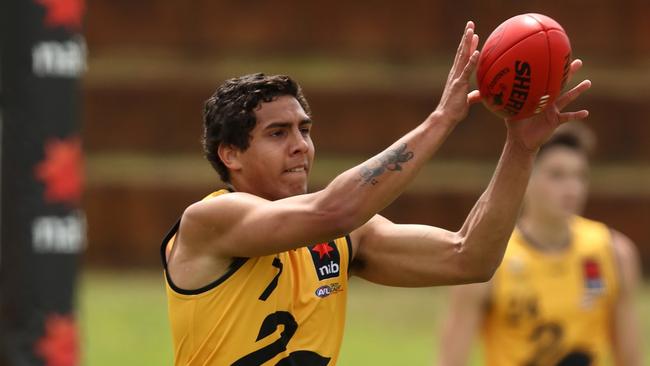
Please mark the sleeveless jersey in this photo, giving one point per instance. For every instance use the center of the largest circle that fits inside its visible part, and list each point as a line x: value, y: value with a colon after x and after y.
x: 283, y: 309
x: 553, y: 309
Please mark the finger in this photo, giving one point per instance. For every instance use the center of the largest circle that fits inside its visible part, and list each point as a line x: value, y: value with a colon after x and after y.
x: 462, y: 41
x: 473, y: 97
x: 572, y: 94
x: 468, y: 27
x: 470, y: 66
x: 463, y: 51
x: 575, y: 66
x: 573, y: 116
x: 474, y: 46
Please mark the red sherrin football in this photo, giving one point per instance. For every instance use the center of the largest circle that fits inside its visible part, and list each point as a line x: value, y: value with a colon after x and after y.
x: 523, y: 66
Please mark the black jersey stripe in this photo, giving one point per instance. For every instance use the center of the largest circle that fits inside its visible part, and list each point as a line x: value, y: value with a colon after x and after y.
x: 234, y: 266
x: 348, y: 240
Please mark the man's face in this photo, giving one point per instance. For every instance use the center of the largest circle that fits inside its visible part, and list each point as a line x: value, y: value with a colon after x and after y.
x: 559, y: 183
x: 277, y: 162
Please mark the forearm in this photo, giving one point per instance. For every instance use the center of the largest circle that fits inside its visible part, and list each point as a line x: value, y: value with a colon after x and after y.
x: 627, y: 345
x: 465, y: 314
x: 626, y: 333
x: 490, y: 223
x: 350, y: 200
x: 366, y: 189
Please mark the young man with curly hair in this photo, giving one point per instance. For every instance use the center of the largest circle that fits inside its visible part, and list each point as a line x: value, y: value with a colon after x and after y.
x: 257, y: 274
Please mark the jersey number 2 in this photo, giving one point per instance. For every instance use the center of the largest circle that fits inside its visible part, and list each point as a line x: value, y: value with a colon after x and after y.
x: 264, y: 354
x: 269, y: 326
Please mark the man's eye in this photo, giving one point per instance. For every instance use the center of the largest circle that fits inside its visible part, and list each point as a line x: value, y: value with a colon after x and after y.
x: 277, y: 133
x: 305, y: 131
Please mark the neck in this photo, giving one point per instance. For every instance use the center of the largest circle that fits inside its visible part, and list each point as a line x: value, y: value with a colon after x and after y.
x: 545, y: 233
x: 238, y: 185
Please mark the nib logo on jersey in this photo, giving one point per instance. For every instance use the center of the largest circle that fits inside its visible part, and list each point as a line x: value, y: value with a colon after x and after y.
x: 327, y: 260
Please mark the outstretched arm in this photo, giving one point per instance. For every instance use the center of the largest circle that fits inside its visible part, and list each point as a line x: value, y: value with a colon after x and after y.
x: 419, y: 255
x: 243, y: 225
x: 627, y: 345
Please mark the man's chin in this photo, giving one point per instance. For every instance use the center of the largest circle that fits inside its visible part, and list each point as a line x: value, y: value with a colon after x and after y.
x: 292, y: 190
x: 296, y: 191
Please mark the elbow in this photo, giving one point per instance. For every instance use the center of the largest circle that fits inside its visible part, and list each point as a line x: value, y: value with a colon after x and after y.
x: 474, y: 266
x: 336, y: 218
x: 479, y: 274
x: 483, y: 275
x: 341, y: 222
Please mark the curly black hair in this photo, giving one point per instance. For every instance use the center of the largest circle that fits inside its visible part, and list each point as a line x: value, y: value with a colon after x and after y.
x: 229, y: 114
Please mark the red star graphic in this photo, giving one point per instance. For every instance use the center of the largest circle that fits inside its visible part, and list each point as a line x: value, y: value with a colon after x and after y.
x: 322, y: 249
x: 61, y: 171
x: 592, y: 271
x: 58, y: 345
x: 63, y: 13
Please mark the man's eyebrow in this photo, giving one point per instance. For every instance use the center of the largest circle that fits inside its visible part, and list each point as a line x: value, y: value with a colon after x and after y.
x: 286, y: 124
x: 277, y: 125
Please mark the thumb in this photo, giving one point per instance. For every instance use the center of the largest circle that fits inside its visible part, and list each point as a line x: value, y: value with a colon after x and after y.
x: 473, y: 97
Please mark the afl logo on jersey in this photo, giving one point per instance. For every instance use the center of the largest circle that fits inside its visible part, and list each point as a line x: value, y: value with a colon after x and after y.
x: 327, y: 260
x: 325, y: 291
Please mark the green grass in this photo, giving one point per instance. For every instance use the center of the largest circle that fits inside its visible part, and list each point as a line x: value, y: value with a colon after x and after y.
x: 392, y: 326
x: 124, y: 319
x: 124, y: 322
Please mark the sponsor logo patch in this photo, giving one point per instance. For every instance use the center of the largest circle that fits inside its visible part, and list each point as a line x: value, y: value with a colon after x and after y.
x: 325, y: 291
x: 594, y: 285
x: 593, y: 279
x: 327, y: 260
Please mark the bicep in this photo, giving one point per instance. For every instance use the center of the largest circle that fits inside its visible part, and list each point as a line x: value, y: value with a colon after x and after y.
x: 407, y: 255
x: 243, y: 225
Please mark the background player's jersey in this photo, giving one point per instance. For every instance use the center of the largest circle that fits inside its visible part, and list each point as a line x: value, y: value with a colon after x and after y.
x: 283, y: 309
x: 553, y: 309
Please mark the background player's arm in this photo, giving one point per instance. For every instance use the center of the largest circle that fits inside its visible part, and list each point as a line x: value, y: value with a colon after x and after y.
x: 627, y: 345
x: 243, y: 225
x: 466, y: 309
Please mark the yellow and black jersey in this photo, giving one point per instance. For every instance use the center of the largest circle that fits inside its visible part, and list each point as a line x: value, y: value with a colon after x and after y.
x: 282, y: 309
x: 553, y: 309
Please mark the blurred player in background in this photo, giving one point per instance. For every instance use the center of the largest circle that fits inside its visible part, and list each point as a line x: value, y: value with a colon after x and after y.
x: 564, y: 293
x: 258, y: 274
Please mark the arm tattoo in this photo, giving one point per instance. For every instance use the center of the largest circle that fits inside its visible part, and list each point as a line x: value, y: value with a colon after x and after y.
x: 390, y: 160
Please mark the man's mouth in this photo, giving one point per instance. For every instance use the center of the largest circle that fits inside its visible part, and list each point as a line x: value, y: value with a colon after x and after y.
x: 297, y: 169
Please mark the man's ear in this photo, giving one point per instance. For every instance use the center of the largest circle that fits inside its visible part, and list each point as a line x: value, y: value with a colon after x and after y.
x: 229, y: 155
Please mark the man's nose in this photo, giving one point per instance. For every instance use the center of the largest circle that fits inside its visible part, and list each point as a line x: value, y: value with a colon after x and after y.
x: 299, y: 143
